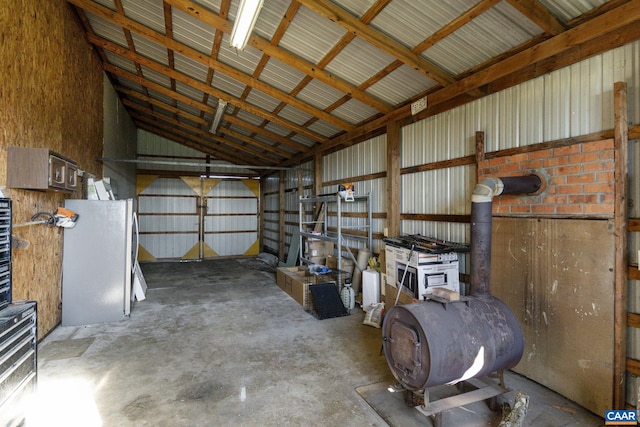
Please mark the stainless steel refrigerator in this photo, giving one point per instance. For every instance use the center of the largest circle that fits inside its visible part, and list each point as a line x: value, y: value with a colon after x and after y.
x: 99, y: 254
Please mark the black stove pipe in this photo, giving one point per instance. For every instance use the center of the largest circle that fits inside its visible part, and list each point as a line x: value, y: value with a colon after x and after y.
x: 481, y: 214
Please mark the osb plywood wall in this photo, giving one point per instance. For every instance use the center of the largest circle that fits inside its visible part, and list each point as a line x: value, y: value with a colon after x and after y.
x: 50, y: 96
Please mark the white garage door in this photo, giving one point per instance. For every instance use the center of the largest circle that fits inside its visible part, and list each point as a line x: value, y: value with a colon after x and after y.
x: 196, y: 218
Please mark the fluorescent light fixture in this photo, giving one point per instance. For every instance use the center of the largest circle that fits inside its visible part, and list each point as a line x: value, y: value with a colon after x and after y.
x: 245, y: 20
x: 218, y: 116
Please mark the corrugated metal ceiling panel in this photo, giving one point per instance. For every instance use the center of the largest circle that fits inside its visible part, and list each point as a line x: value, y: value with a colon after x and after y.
x: 354, y: 111
x: 107, y: 30
x: 301, y: 139
x: 159, y: 96
x: 190, y: 67
x: 355, y: 7
x: 281, y: 76
x: 565, y: 10
x: 189, y: 91
x: 323, y: 128
x: 294, y: 115
x: 268, y: 19
x: 151, y: 50
x: 192, y: 32
x: 150, y: 13
x: 250, y: 118
x: 246, y: 60
x: 411, y: 22
x: 358, y: 61
x: 107, y: 3
x: 227, y: 85
x: 213, y: 5
x: 497, y: 30
x: 262, y: 100
x: 156, y: 77
x: 120, y: 62
x: 309, y: 37
x: 193, y: 110
x: 277, y: 129
x: 400, y: 85
x: 319, y: 94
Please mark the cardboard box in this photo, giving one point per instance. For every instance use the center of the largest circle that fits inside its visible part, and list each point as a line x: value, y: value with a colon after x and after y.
x: 347, y: 264
x: 319, y: 249
x: 390, y: 293
x: 295, y: 282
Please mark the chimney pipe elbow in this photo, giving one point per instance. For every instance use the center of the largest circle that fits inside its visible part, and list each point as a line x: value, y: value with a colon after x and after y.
x: 486, y: 189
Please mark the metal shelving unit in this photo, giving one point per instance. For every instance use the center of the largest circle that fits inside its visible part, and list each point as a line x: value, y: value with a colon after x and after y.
x: 338, y: 237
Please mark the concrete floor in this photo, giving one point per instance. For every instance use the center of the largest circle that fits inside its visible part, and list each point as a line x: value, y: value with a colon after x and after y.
x: 217, y: 343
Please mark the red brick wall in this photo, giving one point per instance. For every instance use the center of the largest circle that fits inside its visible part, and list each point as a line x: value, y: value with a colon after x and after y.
x: 580, y: 180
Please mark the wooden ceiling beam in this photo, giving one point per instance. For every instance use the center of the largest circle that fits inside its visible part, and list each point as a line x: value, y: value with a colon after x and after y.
x: 262, y: 131
x: 199, y: 120
x: 290, y: 59
x: 203, y: 133
x: 236, y: 152
x: 248, y: 140
x: 354, y: 25
x: 244, y: 105
x: 462, y: 20
x: 130, y: 93
x: 224, y: 69
x: 539, y: 15
x: 168, y: 132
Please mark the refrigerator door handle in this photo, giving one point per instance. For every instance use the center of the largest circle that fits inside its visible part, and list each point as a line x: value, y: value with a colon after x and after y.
x: 136, y: 241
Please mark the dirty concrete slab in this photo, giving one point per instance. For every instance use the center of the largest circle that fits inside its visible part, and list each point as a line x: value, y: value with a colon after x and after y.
x: 217, y: 343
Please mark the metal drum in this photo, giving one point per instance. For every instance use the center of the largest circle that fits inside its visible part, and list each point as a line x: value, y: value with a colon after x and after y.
x: 432, y: 343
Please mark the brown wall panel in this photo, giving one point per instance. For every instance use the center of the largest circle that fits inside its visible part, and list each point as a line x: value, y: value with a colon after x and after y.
x: 557, y: 276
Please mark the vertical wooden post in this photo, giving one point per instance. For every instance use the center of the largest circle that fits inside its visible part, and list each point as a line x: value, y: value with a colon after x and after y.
x: 621, y: 146
x: 261, y: 209
x: 282, y: 209
x: 479, y: 152
x: 393, y: 179
x: 317, y: 174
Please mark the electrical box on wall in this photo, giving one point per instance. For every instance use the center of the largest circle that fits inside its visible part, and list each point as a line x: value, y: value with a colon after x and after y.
x: 40, y: 169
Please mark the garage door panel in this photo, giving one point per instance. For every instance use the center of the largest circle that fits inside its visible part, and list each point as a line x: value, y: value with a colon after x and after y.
x: 228, y: 244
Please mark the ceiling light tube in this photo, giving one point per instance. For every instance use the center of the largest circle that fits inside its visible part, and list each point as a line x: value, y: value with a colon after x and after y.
x: 217, y: 118
x: 245, y: 20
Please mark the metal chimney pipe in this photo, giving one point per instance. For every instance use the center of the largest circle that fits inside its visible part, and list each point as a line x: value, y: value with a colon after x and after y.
x: 481, y: 216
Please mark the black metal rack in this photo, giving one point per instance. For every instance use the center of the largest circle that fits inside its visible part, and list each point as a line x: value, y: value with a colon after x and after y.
x: 5, y: 252
x: 431, y: 245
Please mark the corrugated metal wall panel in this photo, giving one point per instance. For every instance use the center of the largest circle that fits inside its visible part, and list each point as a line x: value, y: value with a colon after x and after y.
x: 368, y: 157
x: 442, y: 191
x: 573, y: 101
x: 362, y: 159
